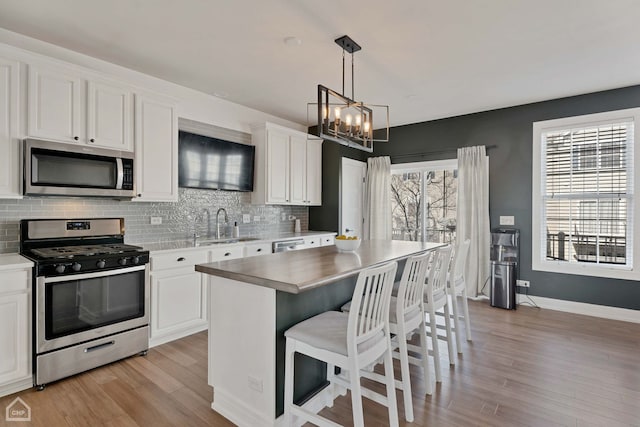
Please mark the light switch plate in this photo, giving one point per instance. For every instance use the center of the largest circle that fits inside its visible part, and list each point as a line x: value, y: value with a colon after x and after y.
x: 507, y: 220
x: 156, y: 220
x: 246, y: 218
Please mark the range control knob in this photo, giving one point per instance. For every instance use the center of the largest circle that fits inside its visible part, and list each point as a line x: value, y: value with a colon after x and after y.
x: 122, y: 261
x: 135, y: 260
x: 60, y: 268
x: 76, y: 266
x: 101, y: 263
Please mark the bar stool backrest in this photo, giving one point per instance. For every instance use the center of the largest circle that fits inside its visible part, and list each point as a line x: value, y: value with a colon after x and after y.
x: 411, y: 286
x: 438, y: 272
x: 369, y: 314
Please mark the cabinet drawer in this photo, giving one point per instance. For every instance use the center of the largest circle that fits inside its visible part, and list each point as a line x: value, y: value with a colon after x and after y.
x: 327, y: 240
x: 223, y: 254
x: 177, y: 259
x: 312, y: 242
x: 257, y: 249
x: 13, y: 281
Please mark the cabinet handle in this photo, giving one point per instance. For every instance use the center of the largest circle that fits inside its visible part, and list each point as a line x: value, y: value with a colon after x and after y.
x: 227, y: 254
x: 181, y: 259
x: 92, y: 140
x: 76, y: 138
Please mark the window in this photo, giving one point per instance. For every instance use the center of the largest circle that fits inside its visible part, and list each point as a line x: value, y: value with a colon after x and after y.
x: 583, y: 194
x: 423, y: 201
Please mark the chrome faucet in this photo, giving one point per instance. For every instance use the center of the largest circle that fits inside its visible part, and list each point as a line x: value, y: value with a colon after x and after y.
x: 226, y: 221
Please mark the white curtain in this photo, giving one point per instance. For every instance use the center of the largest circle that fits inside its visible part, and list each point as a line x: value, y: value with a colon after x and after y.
x: 473, y: 215
x: 377, y: 199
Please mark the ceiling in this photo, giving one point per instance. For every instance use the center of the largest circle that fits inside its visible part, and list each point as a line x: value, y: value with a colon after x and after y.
x: 426, y: 59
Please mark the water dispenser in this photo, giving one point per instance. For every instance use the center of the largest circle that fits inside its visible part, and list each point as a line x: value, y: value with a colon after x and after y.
x: 505, y: 261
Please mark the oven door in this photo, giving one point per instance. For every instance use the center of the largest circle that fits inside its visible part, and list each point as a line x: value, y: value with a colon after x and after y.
x: 82, y: 307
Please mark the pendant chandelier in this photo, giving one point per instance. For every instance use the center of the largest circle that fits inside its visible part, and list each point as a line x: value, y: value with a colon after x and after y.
x: 345, y: 121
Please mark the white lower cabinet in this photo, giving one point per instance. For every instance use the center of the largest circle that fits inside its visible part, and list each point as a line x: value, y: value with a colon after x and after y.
x: 15, y: 330
x: 179, y: 303
x: 178, y: 295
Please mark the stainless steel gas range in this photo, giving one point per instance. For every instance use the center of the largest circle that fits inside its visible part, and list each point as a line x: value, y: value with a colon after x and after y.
x: 91, y: 295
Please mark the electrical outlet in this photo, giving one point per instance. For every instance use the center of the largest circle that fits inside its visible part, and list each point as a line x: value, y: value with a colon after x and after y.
x: 255, y: 383
x: 523, y: 283
x: 246, y: 218
x: 256, y: 218
x: 156, y: 220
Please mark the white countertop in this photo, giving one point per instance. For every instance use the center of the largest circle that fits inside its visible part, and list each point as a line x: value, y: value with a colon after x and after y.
x: 171, y: 245
x: 14, y: 261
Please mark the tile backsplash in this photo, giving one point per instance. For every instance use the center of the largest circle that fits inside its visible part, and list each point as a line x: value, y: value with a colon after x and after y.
x: 179, y: 220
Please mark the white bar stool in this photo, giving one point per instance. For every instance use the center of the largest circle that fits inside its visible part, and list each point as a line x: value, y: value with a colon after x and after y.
x: 405, y: 318
x: 436, y: 298
x: 458, y: 286
x: 351, y: 341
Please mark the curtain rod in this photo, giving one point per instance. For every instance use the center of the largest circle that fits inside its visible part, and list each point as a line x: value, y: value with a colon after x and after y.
x: 428, y: 153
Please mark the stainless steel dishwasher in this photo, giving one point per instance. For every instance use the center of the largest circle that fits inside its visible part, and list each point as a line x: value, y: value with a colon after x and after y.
x: 288, y: 245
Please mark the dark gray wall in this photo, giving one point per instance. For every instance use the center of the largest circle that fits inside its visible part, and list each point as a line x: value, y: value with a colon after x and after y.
x: 510, y: 130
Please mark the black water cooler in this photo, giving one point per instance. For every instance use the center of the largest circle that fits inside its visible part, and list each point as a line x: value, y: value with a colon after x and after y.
x: 505, y: 258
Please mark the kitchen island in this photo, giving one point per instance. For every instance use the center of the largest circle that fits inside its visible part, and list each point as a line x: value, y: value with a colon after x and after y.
x: 253, y: 301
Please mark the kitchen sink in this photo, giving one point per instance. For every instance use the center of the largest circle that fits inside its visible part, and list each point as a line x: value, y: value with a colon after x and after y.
x: 210, y: 242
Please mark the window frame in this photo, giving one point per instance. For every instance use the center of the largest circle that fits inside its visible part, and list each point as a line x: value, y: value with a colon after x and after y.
x: 539, y: 261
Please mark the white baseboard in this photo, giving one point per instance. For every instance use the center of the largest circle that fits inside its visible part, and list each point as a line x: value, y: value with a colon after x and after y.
x: 15, y: 387
x: 613, y: 313
x: 237, y: 411
x: 181, y: 333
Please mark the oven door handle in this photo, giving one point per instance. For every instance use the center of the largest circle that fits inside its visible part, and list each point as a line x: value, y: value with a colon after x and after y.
x: 93, y: 275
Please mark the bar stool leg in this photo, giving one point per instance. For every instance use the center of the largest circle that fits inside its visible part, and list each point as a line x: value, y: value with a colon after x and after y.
x: 391, y: 388
x: 356, y: 396
x: 406, y: 377
x: 331, y: 372
x: 467, y: 319
x: 434, y: 342
x: 288, y: 382
x: 456, y: 319
x: 447, y: 322
x: 425, y: 358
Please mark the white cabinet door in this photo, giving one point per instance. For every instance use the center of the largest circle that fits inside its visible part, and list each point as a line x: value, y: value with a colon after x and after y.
x: 14, y: 337
x: 54, y: 107
x: 298, y: 167
x: 109, y: 116
x: 177, y: 303
x: 277, y: 167
x: 10, y: 169
x: 156, y: 142
x: 314, y: 172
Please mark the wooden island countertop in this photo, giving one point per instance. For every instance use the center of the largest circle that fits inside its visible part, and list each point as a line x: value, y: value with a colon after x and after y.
x: 299, y: 271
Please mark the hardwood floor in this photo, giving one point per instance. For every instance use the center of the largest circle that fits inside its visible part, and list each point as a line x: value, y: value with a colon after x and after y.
x: 528, y: 367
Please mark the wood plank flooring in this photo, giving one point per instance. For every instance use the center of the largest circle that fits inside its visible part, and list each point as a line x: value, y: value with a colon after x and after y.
x: 529, y: 367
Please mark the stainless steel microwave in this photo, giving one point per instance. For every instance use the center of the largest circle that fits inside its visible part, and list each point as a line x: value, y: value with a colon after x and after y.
x: 56, y: 169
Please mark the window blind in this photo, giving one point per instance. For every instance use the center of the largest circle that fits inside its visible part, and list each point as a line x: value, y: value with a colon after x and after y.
x: 587, y: 193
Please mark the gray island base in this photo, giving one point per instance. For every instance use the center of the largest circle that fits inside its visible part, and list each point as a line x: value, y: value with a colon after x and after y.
x: 253, y: 301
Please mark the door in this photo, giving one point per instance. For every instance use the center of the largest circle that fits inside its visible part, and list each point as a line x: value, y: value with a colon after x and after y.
x: 109, y: 116
x: 352, y: 178
x: 314, y: 172
x: 156, y: 144
x: 10, y: 168
x: 14, y: 337
x: 298, y: 173
x: 54, y: 105
x: 277, y: 167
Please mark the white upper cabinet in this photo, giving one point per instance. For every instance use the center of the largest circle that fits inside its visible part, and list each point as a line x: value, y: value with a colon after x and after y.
x: 278, y: 167
x: 109, y: 116
x: 9, y: 138
x: 65, y: 107
x: 288, y: 167
x: 156, y: 141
